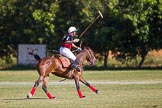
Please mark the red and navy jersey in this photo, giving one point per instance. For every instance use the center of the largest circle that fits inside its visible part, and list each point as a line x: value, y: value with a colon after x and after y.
x: 67, y: 38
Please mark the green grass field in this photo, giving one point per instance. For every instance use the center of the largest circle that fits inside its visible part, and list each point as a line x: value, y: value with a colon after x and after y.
x: 118, y: 89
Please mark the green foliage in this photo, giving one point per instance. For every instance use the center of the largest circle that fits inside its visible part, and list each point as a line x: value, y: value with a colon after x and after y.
x: 139, y: 39
x: 27, y: 21
x: 46, y: 17
x: 130, y: 27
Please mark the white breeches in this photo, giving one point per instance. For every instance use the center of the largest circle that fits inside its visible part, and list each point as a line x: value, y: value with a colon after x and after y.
x: 67, y: 53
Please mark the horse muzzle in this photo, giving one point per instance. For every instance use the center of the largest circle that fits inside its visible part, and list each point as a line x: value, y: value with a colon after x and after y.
x: 93, y: 62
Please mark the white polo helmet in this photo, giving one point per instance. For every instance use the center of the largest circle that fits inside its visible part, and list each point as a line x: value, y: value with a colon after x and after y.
x: 72, y: 29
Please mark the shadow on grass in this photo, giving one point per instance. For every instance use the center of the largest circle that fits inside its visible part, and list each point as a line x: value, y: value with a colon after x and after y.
x: 89, y: 68
x: 23, y: 98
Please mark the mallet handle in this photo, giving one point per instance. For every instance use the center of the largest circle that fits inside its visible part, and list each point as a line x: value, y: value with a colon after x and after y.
x: 88, y: 26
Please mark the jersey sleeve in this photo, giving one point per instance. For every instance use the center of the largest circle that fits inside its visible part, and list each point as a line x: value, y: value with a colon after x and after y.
x: 67, y: 38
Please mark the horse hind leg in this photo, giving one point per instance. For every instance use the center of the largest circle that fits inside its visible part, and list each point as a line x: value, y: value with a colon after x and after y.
x: 44, y: 87
x: 89, y: 85
x: 78, y: 87
x: 31, y: 93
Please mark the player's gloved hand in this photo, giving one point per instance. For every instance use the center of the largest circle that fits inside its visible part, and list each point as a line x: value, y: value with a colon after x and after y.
x: 76, y: 40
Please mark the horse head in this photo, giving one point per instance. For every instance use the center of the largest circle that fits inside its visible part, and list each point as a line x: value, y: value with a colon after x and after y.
x: 90, y: 57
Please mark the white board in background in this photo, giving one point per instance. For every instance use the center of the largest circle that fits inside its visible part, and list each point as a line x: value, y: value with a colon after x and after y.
x: 23, y: 53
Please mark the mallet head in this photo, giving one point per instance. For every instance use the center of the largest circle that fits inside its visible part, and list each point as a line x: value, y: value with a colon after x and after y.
x: 100, y: 14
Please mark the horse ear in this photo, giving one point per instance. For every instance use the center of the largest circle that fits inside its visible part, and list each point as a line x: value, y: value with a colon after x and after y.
x: 80, y: 44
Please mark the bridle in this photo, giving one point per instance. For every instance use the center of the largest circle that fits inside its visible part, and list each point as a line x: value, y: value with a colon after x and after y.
x: 91, y: 58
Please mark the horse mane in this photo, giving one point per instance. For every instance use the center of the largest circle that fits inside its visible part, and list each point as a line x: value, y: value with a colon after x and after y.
x: 81, y: 53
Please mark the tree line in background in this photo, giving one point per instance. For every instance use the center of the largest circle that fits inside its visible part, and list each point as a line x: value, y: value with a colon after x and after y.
x: 130, y: 27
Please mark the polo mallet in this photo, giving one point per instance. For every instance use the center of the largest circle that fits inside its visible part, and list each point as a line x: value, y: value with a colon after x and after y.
x: 100, y: 15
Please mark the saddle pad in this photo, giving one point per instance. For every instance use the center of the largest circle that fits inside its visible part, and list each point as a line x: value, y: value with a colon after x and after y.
x: 65, y: 61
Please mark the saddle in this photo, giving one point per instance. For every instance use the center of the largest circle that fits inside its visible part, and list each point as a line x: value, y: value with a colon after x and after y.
x: 64, y: 60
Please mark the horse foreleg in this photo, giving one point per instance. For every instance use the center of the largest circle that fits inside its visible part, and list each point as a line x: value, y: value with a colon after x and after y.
x: 78, y: 87
x: 44, y: 87
x: 31, y: 93
x: 89, y: 85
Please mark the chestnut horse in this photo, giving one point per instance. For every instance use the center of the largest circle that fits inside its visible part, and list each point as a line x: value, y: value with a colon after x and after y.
x: 53, y: 65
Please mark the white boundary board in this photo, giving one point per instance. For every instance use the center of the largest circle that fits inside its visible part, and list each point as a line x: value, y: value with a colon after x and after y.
x: 23, y: 53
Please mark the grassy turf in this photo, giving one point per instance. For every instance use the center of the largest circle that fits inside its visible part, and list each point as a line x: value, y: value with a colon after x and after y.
x: 124, y: 75
x: 110, y: 96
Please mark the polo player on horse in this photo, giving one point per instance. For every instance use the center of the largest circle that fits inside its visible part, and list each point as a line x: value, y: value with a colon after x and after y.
x: 66, y: 46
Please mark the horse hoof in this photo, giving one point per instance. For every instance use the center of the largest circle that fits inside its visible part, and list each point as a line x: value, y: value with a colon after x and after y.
x: 51, y: 97
x: 29, y: 95
x: 83, y: 97
x: 97, y: 91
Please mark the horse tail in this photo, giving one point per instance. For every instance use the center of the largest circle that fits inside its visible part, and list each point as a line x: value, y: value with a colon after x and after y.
x: 36, y: 56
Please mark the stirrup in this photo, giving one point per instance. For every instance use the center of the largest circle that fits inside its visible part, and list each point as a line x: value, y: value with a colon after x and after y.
x: 77, y: 68
x: 72, y: 66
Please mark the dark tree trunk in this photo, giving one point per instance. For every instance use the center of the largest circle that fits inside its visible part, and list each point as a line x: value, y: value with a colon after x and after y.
x: 143, y: 55
x: 141, y: 62
x: 105, y: 58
